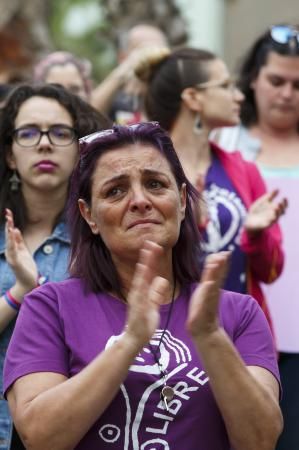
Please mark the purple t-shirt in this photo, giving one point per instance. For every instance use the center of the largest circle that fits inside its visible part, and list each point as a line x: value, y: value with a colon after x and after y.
x: 227, y: 213
x: 61, y: 329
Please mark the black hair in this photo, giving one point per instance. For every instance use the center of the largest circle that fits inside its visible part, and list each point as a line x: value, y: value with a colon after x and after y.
x: 254, y: 60
x: 85, y: 121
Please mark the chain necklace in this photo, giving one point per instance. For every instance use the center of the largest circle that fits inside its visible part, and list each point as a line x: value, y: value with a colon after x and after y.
x: 167, y: 392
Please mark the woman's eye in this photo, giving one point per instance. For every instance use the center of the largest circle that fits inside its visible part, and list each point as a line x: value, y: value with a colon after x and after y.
x: 226, y: 85
x: 155, y: 184
x: 60, y: 133
x: 114, y: 192
x: 27, y: 133
x: 276, y: 81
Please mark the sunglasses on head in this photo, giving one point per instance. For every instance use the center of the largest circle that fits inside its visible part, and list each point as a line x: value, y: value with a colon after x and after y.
x: 284, y: 34
x: 101, y: 134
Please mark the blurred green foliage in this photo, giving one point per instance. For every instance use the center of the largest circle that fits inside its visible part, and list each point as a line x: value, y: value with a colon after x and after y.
x: 79, y: 26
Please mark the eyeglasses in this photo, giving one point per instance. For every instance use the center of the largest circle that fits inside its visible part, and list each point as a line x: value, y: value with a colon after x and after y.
x: 284, y: 34
x: 101, y: 134
x: 59, y: 135
x: 228, y: 84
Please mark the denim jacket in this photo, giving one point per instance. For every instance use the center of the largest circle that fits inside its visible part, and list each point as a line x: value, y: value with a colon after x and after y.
x: 52, y: 262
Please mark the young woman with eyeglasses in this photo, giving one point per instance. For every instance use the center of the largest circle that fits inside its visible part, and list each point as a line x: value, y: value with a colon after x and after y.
x: 39, y: 131
x: 190, y: 92
x: 269, y: 135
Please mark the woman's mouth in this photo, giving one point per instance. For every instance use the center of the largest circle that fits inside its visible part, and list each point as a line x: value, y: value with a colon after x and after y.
x: 46, y: 166
x: 142, y: 223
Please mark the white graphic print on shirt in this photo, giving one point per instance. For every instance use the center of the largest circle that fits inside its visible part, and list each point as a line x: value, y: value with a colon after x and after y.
x: 171, y: 349
x: 223, y: 205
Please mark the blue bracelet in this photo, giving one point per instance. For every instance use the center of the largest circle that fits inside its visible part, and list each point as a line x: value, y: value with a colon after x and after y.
x: 10, y: 303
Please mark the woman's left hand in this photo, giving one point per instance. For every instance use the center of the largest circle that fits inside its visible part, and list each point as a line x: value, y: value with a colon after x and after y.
x: 19, y: 257
x: 203, y: 310
x: 264, y: 212
x: 242, y: 393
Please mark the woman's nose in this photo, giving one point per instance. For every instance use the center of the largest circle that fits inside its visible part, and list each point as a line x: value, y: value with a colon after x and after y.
x: 287, y: 90
x: 239, y: 96
x: 139, y: 200
x: 44, y: 143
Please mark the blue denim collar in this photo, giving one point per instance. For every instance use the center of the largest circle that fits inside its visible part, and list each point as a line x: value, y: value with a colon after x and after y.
x: 60, y: 233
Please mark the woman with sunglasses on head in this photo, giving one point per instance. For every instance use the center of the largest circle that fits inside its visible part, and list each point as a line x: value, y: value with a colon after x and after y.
x: 269, y: 135
x: 153, y: 365
x: 190, y: 92
x: 39, y: 131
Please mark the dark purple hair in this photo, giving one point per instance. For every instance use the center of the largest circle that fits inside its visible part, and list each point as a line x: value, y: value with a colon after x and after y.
x: 90, y: 258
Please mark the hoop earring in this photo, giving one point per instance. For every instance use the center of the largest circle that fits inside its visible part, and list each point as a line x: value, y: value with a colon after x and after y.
x: 14, y: 182
x: 197, y: 124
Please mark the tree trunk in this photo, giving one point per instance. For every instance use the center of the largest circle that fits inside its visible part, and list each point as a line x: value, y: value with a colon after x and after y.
x: 23, y: 37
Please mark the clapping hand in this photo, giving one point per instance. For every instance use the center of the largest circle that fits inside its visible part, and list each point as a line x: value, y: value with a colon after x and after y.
x: 147, y: 293
x: 264, y: 212
x: 19, y: 257
x: 203, y: 310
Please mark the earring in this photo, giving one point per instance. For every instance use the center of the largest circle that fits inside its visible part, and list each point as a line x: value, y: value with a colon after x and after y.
x: 197, y: 124
x: 14, y: 181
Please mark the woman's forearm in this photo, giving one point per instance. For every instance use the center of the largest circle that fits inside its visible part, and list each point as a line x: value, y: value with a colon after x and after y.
x: 265, y: 255
x: 59, y: 417
x: 8, y: 310
x: 102, y: 96
x: 7, y: 314
x: 250, y: 411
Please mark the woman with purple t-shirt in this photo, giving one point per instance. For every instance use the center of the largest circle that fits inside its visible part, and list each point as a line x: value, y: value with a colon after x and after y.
x: 190, y: 92
x: 132, y: 352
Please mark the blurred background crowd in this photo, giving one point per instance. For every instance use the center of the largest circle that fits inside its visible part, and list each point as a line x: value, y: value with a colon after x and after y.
x: 113, y: 54
x: 93, y: 29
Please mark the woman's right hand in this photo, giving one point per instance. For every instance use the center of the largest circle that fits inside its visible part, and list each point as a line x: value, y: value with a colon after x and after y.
x: 19, y: 257
x: 147, y: 293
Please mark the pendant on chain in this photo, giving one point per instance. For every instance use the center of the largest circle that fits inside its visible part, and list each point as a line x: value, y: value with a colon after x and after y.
x: 167, y: 395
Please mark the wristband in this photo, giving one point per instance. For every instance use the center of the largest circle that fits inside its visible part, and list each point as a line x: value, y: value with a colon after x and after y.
x: 11, y: 301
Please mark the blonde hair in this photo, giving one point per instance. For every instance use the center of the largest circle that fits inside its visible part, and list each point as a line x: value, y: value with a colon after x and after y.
x: 151, y: 57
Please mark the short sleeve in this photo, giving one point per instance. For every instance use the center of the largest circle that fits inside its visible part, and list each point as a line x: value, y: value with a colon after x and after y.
x: 247, y: 326
x: 37, y: 343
